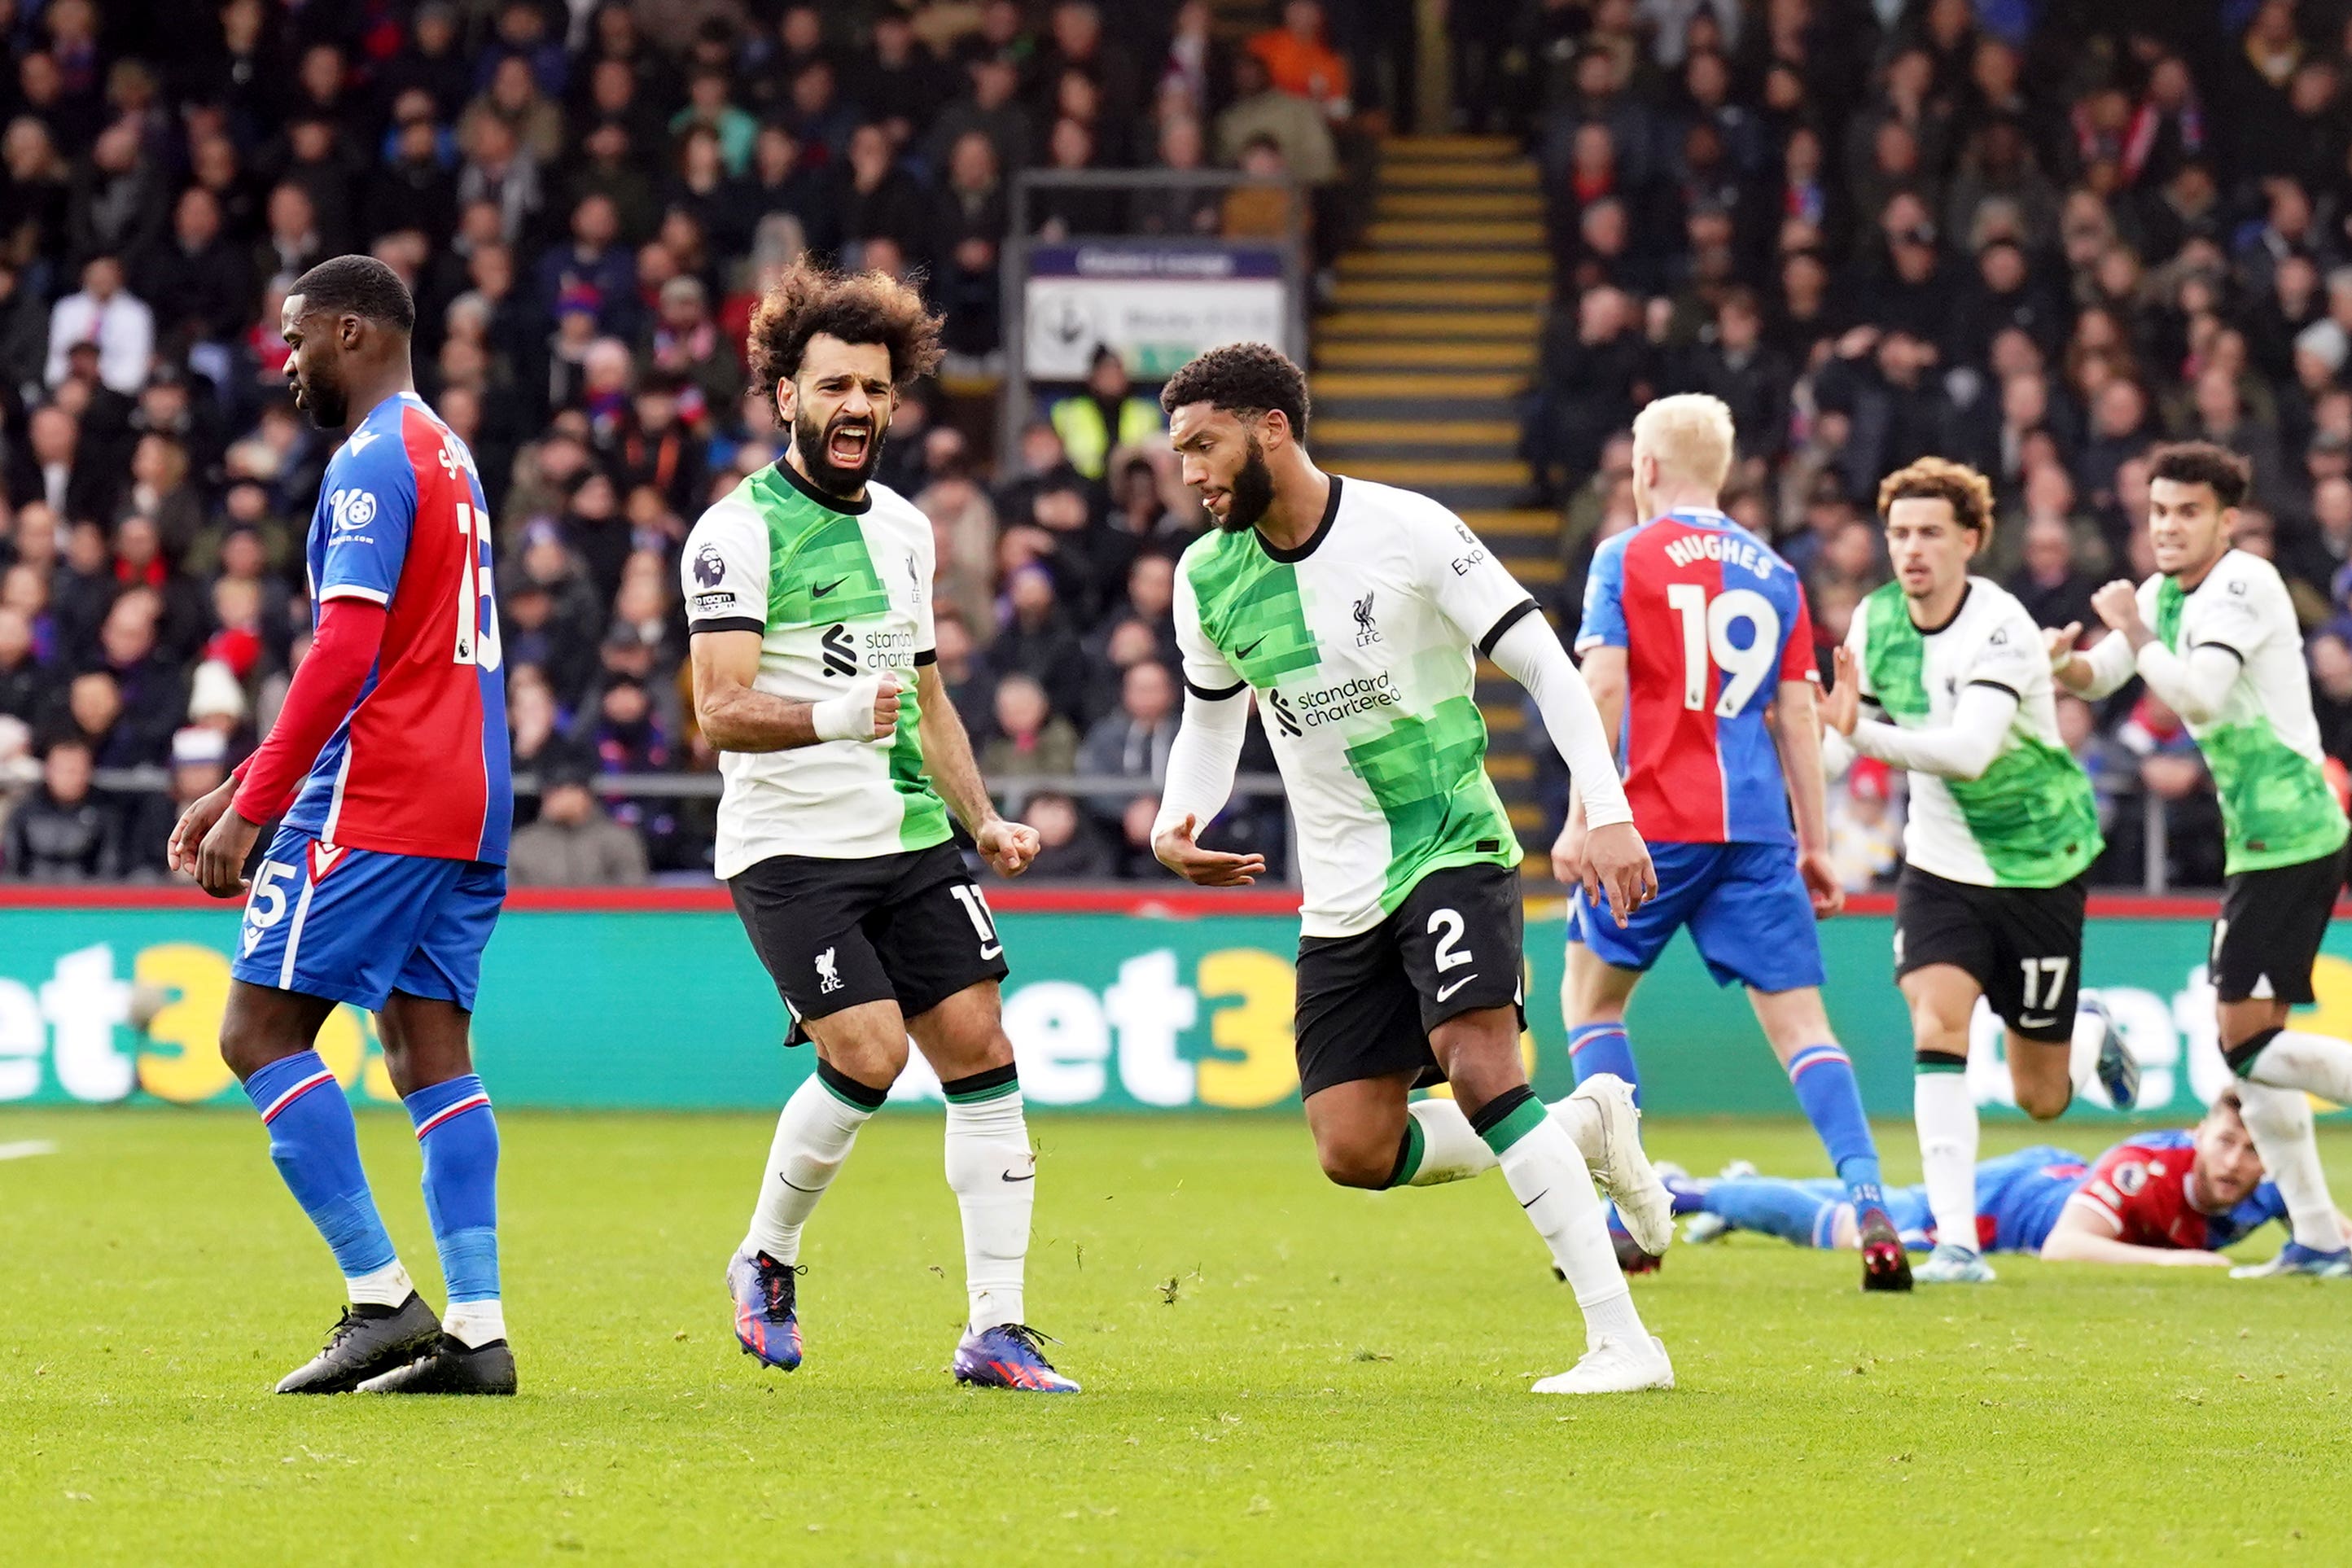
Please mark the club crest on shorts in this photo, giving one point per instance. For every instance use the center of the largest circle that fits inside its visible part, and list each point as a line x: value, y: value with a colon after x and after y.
x: 828, y: 971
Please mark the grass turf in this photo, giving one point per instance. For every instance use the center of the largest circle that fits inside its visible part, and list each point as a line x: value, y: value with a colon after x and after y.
x: 1275, y: 1369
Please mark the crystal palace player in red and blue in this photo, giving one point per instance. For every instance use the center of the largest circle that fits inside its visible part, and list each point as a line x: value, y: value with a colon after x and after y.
x: 2172, y: 1197
x: 1695, y: 634
x: 388, y: 771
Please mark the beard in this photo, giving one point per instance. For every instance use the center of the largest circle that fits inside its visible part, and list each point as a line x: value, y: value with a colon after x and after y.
x: 823, y: 472
x: 1252, y: 493
x: 324, y: 399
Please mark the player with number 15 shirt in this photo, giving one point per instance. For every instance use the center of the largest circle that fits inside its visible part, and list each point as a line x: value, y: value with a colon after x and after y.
x: 388, y: 768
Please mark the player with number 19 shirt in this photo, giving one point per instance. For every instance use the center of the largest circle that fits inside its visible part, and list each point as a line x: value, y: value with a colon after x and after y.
x: 1697, y: 634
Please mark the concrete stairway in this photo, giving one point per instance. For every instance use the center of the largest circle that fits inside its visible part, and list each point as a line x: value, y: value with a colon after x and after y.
x: 1415, y: 372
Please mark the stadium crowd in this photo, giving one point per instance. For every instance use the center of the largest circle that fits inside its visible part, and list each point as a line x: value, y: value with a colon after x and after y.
x: 585, y: 202
x: 2036, y: 234
x: 2037, y: 238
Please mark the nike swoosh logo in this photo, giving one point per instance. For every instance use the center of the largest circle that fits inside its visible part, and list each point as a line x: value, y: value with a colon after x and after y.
x: 1537, y: 1199
x: 829, y: 588
x: 796, y: 1186
x: 1245, y: 652
x: 1009, y: 1176
x: 2025, y: 1023
x: 1445, y: 991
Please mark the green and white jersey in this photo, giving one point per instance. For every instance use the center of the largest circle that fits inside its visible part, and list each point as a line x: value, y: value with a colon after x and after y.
x: 1362, y: 644
x: 2263, y: 746
x: 835, y: 590
x: 2029, y: 820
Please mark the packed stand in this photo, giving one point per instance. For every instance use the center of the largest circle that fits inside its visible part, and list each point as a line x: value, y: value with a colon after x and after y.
x: 2036, y: 238
x: 585, y: 202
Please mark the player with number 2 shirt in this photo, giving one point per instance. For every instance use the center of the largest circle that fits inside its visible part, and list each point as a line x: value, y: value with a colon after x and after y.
x: 388, y: 770
x: 1355, y: 614
x: 1695, y: 634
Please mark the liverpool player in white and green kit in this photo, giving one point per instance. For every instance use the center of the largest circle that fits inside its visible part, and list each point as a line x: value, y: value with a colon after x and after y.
x: 1356, y: 612
x: 2215, y: 637
x: 808, y: 593
x: 2001, y: 827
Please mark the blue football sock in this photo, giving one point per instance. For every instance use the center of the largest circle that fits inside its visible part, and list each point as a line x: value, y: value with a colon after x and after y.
x: 315, y: 1145
x: 459, y: 1136
x: 1602, y: 1047
x: 1822, y: 1077
x: 1688, y: 1196
x: 1790, y: 1210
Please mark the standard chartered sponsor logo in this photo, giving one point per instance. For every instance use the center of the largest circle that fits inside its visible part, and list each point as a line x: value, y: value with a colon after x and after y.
x: 1329, y: 704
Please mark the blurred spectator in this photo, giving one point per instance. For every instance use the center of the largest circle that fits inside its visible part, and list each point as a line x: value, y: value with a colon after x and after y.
x: 1030, y: 738
x: 1105, y: 415
x: 571, y: 842
x: 2046, y: 580
x: 1583, y: 391
x: 1132, y: 741
x: 1299, y: 61
x: 24, y: 682
x: 105, y: 313
x: 199, y: 765
x: 1071, y: 849
x: 1289, y: 121
x: 61, y: 831
x: 1866, y: 831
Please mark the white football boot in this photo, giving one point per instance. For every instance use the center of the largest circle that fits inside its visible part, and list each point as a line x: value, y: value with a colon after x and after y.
x: 1614, y: 1366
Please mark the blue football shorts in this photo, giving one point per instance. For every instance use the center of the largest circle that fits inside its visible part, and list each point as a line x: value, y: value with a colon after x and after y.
x: 355, y: 925
x: 1745, y: 905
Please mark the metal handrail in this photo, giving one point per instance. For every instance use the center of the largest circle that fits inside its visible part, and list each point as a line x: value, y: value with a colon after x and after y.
x: 2155, y: 825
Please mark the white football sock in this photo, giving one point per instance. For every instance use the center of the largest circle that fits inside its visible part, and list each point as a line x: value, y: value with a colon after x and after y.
x: 1547, y: 1175
x: 1449, y: 1151
x: 2293, y: 1060
x: 2279, y: 1120
x: 1947, y: 1117
x: 1580, y: 1120
x: 2082, y: 1050
x: 475, y: 1323
x: 995, y: 1175
x: 813, y: 1136
x: 386, y: 1287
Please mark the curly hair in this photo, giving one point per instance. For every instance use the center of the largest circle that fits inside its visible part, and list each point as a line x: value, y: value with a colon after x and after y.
x: 2203, y: 463
x: 856, y: 306
x: 1243, y: 378
x: 1967, y: 492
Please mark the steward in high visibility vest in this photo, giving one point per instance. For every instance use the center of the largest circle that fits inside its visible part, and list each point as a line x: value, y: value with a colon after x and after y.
x: 1104, y: 415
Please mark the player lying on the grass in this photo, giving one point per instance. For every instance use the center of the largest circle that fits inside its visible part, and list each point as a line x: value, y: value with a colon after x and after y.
x: 1696, y: 634
x: 808, y: 605
x: 388, y: 767
x: 2174, y: 1197
x: 2216, y: 637
x: 1356, y: 613
x: 2001, y: 828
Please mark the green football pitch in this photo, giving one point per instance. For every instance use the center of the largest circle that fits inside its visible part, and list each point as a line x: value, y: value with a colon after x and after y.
x: 1276, y: 1371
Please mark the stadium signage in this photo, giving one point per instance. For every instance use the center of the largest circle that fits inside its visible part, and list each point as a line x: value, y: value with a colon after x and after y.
x: 1158, y: 306
x: 663, y: 1006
